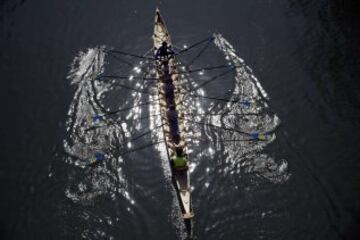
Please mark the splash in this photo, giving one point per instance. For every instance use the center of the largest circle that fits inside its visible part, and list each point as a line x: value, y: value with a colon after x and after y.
x: 91, y: 136
x: 247, y: 111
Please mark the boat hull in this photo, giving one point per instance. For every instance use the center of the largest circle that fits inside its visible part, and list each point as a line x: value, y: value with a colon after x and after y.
x: 181, y: 180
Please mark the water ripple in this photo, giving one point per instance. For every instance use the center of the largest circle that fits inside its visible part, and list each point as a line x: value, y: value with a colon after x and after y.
x: 119, y: 128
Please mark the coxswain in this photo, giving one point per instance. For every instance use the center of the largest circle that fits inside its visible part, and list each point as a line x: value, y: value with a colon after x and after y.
x: 164, y: 52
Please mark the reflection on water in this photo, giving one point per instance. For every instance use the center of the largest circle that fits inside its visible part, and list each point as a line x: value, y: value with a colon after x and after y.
x: 107, y: 120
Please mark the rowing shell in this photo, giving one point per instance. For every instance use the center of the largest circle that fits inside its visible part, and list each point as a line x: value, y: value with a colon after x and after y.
x: 181, y: 180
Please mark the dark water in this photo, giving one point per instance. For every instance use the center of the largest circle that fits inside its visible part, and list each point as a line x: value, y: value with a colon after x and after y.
x: 304, y: 54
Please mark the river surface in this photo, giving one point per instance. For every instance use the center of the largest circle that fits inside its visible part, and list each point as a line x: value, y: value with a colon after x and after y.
x: 294, y: 87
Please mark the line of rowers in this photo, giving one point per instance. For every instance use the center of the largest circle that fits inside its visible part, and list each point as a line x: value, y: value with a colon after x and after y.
x: 163, y: 55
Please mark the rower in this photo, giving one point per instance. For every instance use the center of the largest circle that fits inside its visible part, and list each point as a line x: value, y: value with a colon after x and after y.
x: 173, y: 120
x: 173, y: 123
x: 169, y: 90
x: 164, y: 52
x: 166, y: 76
x: 169, y: 100
x: 179, y: 161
